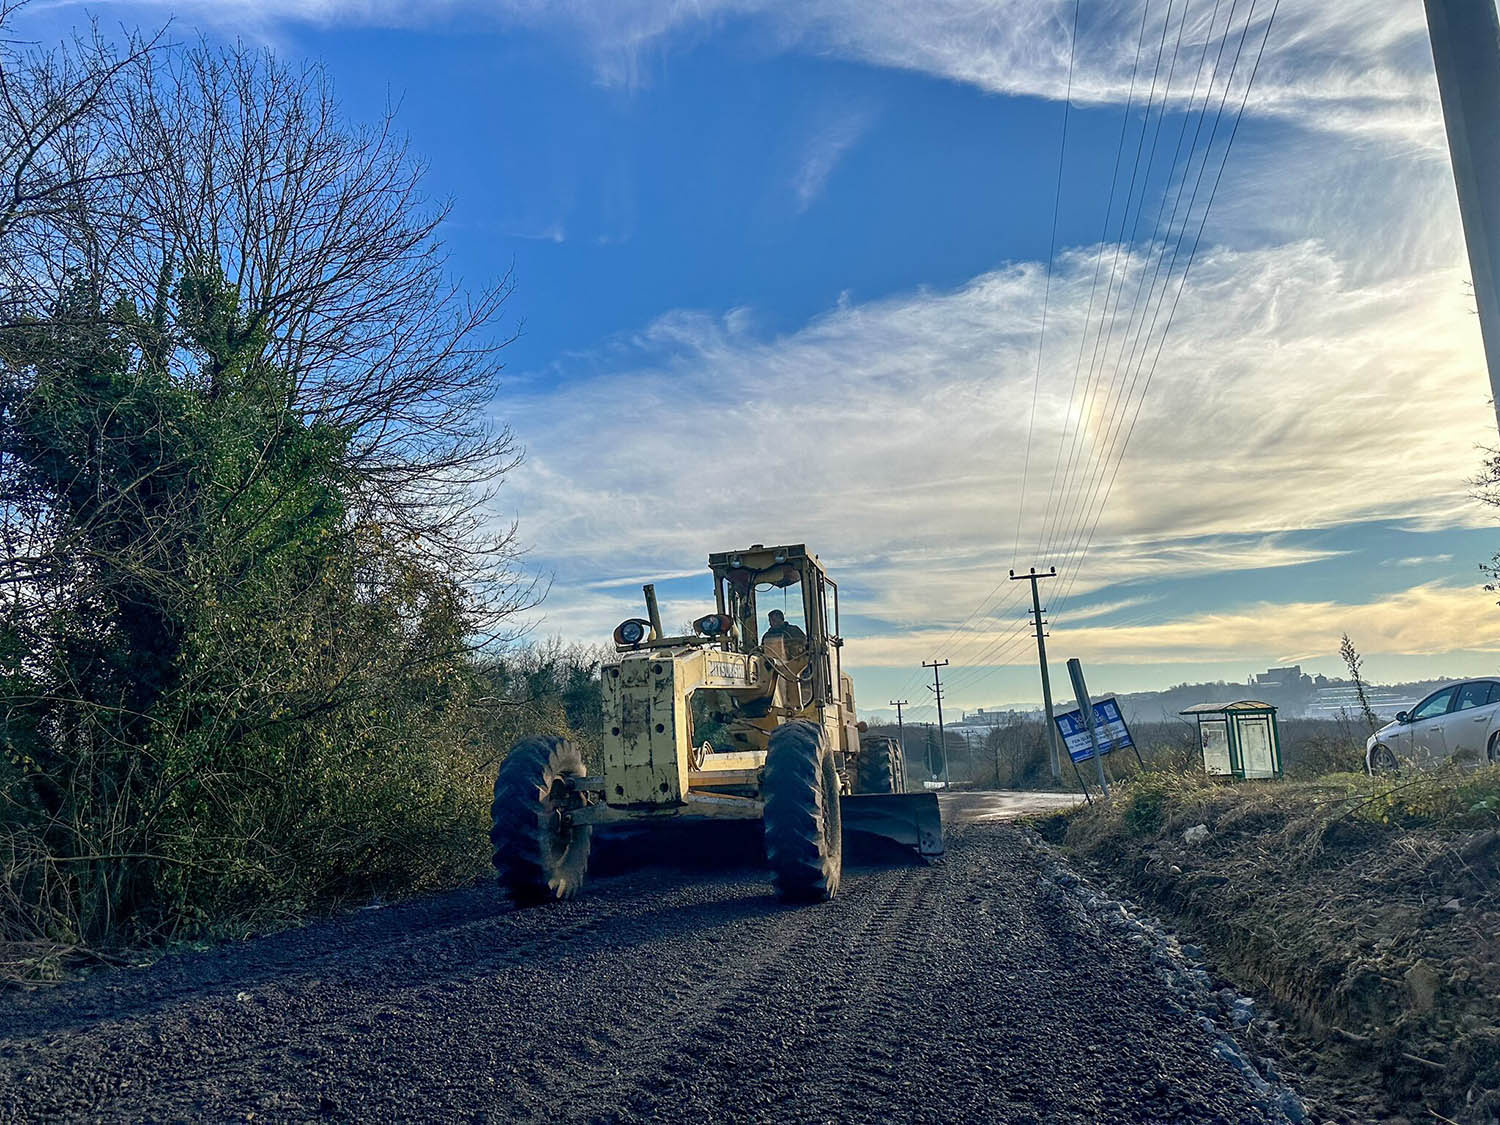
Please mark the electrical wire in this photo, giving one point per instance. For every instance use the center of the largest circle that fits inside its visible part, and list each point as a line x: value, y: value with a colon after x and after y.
x: 1192, y: 256
x: 1071, y: 529
x: 1041, y: 343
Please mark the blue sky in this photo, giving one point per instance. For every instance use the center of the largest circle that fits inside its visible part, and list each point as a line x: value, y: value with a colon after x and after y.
x: 781, y: 270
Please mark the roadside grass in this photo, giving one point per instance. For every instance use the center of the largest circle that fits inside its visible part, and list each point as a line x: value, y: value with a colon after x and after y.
x: 1367, y: 908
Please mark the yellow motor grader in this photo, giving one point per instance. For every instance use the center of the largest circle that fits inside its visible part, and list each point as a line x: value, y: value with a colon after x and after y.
x: 787, y: 751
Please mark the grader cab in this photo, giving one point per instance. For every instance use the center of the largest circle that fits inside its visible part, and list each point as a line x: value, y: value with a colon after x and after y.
x: 786, y: 746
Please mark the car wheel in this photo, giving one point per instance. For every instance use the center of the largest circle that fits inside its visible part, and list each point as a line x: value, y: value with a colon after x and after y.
x: 1382, y: 759
x: 1494, y: 750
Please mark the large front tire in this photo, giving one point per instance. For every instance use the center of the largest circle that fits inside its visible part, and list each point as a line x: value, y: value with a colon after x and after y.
x: 541, y: 856
x: 804, y: 833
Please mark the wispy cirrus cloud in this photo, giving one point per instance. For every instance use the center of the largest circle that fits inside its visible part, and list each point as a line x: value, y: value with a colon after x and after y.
x: 1283, y: 367
x: 1419, y: 560
x: 1431, y: 619
x: 1358, y: 67
x: 823, y: 151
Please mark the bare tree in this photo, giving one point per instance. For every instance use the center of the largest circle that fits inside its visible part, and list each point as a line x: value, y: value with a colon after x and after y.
x: 64, y: 156
x: 322, y: 231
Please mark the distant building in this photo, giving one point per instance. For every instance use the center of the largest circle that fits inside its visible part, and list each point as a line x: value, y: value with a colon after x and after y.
x: 987, y: 718
x: 1289, y: 677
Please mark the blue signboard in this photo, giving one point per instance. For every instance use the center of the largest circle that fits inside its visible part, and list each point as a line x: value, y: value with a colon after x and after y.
x: 1109, y: 727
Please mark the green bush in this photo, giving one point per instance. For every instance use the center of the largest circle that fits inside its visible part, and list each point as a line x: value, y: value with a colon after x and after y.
x: 253, y: 651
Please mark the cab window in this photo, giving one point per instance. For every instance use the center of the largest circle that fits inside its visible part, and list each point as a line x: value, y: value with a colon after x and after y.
x: 1434, y: 705
x: 788, y: 600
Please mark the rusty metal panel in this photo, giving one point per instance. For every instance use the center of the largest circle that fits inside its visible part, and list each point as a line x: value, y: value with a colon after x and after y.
x: 646, y: 732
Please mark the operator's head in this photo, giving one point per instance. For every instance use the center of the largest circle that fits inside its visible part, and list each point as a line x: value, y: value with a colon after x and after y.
x: 776, y: 617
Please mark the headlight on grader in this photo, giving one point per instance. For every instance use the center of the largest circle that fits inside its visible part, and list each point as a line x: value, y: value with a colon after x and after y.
x: 714, y: 625
x: 631, y: 632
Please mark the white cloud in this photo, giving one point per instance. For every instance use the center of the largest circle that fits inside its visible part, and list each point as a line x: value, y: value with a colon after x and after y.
x: 1419, y: 560
x: 889, y: 434
x: 1427, y: 620
x: 825, y: 149
x: 1359, y: 66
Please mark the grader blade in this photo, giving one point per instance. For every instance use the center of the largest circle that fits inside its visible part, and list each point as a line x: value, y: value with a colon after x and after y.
x: 909, y: 820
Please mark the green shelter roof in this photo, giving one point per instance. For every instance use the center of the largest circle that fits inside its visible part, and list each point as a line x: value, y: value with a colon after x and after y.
x: 1221, y: 708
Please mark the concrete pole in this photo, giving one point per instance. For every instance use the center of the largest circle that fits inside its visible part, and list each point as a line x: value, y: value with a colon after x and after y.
x: 937, y: 690
x: 1465, y: 37
x: 900, y: 726
x: 1041, y: 651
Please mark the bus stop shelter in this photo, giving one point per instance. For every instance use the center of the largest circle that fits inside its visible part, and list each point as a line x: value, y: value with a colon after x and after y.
x: 1238, y: 739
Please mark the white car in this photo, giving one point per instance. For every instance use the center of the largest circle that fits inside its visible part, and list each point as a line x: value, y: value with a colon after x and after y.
x: 1460, y: 722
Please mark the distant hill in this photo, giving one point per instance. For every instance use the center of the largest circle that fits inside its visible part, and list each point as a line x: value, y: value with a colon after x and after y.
x: 1292, y: 693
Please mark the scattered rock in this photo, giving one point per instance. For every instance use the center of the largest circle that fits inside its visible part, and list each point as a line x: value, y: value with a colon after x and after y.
x: 1219, y: 1011
x: 1421, y: 986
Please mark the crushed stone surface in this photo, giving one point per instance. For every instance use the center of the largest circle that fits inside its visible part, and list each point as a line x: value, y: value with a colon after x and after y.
x: 993, y: 985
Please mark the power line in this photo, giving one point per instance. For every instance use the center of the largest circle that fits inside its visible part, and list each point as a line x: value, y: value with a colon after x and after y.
x: 1140, y: 47
x: 1116, y: 416
x: 1192, y: 256
x: 1098, y: 465
x: 1059, y: 519
x: 1095, y: 382
x: 1041, y: 343
x: 1108, y: 211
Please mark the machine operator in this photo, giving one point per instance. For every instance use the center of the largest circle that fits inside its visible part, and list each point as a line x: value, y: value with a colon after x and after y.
x: 779, y: 626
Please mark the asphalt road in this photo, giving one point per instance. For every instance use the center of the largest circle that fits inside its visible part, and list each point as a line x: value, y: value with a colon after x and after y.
x: 955, y: 992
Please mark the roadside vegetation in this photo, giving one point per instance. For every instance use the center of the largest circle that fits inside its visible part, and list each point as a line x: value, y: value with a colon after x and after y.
x: 1367, y: 909
x: 258, y: 646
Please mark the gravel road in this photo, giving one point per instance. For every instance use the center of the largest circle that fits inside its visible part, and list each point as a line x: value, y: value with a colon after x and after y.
x: 961, y: 991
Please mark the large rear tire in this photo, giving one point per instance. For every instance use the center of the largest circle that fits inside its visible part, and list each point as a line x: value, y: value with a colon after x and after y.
x: 804, y: 833
x: 880, y: 768
x: 540, y: 854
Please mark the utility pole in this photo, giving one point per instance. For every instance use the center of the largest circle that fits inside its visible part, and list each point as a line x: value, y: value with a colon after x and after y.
x: 900, y: 727
x: 937, y: 690
x: 1034, y: 577
x: 1465, y: 37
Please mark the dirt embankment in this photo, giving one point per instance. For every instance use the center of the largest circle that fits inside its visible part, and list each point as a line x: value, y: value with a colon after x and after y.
x: 1369, y: 913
